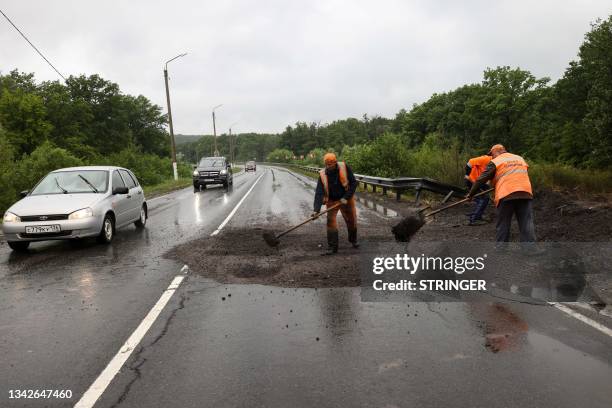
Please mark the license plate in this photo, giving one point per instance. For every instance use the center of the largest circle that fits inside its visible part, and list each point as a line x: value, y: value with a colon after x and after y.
x: 209, y: 179
x: 42, y: 229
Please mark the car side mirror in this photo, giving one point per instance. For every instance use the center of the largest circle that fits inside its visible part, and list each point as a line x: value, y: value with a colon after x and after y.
x: 120, y: 190
x: 24, y: 193
x: 229, y: 166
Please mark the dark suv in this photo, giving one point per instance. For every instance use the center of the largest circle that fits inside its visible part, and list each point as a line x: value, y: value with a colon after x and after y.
x: 212, y: 170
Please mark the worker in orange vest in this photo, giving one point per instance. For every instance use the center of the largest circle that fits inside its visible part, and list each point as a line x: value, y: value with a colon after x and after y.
x: 473, y: 169
x: 513, y: 193
x: 337, y: 184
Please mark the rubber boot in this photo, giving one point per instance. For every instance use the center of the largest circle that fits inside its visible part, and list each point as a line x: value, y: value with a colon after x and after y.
x: 332, y: 243
x: 352, y: 237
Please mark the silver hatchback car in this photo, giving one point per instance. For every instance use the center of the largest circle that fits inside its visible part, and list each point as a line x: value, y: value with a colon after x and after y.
x: 76, y: 202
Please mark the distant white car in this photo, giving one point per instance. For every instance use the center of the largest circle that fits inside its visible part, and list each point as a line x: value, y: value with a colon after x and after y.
x: 76, y: 202
x: 250, y: 166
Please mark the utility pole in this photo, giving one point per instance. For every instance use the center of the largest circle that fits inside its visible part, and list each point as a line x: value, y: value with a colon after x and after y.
x: 172, y: 144
x: 215, y: 128
x: 231, y: 143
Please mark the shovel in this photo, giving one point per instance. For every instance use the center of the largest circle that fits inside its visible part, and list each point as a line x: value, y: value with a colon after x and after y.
x: 410, y: 225
x: 273, y: 240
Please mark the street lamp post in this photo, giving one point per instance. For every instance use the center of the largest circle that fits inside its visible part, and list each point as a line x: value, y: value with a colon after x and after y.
x: 173, y: 145
x: 215, y: 128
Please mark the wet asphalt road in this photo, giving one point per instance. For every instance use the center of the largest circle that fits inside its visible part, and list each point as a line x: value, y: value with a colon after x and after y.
x: 65, y: 311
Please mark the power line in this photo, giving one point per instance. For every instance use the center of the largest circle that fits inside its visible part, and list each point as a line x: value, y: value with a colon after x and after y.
x: 33, y: 46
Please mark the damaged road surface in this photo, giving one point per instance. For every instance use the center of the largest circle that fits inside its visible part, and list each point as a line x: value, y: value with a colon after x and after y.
x: 256, y: 326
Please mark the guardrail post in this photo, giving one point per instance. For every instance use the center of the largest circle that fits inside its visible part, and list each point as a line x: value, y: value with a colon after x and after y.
x: 418, y: 196
x: 448, y: 196
x: 373, y: 188
x: 384, y: 191
x: 398, y: 195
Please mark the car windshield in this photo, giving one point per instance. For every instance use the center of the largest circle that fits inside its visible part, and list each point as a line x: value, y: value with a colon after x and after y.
x: 209, y: 162
x: 68, y: 182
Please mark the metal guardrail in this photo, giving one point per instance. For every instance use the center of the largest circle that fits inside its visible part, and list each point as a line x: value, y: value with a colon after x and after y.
x: 399, y: 185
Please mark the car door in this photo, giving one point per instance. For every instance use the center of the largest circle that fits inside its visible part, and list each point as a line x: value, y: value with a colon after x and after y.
x: 121, y: 202
x: 140, y: 197
x: 133, y: 197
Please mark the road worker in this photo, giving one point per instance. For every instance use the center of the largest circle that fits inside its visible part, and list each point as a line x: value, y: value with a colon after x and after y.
x: 337, y: 185
x: 513, y: 194
x: 473, y: 169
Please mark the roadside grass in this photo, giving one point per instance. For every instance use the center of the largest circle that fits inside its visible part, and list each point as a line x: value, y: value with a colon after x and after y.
x: 563, y: 177
x: 166, y: 187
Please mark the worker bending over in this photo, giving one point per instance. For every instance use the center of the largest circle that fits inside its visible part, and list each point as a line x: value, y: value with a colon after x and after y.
x: 337, y: 184
x: 473, y: 169
x: 513, y: 194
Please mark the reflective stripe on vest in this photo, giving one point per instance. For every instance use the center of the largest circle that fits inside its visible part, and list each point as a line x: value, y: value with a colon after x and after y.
x: 342, y: 173
x: 510, y: 176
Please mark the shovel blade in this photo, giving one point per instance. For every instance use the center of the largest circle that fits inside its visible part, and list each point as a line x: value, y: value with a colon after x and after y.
x: 271, y: 238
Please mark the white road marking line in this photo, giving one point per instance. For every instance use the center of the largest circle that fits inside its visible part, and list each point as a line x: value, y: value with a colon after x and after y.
x: 185, y: 268
x: 605, y: 330
x: 231, y: 214
x: 104, y: 379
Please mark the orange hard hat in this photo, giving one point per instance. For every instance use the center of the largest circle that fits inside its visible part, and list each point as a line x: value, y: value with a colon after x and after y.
x: 330, y: 158
x: 496, y: 148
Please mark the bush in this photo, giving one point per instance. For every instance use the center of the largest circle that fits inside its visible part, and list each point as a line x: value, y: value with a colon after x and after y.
x: 280, y: 156
x: 445, y: 163
x: 562, y: 177
x: 7, y: 169
x: 386, y: 156
x: 149, y: 168
x: 45, y: 158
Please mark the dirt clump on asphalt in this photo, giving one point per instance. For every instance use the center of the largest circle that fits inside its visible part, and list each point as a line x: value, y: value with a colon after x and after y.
x: 242, y: 256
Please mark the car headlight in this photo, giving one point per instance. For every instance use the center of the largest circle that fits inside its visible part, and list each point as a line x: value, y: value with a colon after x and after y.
x: 223, y: 172
x: 195, y: 173
x: 80, y: 214
x: 10, y: 217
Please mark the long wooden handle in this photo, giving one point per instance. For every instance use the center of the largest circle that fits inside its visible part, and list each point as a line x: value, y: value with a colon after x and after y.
x: 458, y: 202
x: 308, y: 220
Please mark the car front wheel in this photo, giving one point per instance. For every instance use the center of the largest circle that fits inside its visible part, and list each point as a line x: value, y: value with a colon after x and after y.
x: 108, y: 230
x: 19, y: 246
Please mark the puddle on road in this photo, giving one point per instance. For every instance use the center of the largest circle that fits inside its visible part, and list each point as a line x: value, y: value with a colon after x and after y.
x: 377, y: 207
x: 503, y: 330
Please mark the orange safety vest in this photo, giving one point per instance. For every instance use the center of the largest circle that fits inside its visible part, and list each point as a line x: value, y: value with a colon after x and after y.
x: 510, y: 176
x: 342, y: 173
x: 478, y: 164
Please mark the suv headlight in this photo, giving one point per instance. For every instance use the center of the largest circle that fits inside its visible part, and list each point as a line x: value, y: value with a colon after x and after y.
x: 80, y: 214
x: 223, y: 172
x: 10, y: 217
x: 195, y: 173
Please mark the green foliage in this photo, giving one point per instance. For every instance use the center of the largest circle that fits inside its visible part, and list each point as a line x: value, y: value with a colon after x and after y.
x: 315, y: 157
x: 149, y: 168
x: 7, y: 185
x: 45, y: 158
x: 23, y: 116
x: 87, y: 116
x: 564, y: 177
x: 386, y: 156
x: 280, y: 156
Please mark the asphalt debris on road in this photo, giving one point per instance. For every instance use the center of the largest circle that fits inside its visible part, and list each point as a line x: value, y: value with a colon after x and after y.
x: 241, y: 256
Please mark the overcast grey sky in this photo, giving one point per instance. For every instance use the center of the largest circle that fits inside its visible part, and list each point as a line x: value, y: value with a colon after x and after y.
x: 272, y: 63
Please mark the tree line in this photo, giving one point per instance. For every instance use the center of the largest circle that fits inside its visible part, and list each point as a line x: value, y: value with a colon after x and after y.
x: 85, y: 121
x: 568, y: 122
